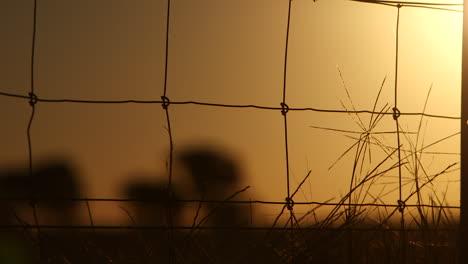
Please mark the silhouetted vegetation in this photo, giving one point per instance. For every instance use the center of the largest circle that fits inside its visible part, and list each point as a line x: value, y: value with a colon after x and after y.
x: 50, y: 186
x: 153, y: 202
x: 215, y: 176
x: 220, y: 231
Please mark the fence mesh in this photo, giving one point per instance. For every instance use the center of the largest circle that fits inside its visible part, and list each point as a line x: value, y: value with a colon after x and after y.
x: 344, y: 235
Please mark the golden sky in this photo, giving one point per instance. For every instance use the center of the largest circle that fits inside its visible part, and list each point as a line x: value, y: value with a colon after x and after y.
x: 227, y: 52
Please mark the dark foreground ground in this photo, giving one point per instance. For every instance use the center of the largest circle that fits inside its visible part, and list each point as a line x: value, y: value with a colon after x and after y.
x: 227, y: 246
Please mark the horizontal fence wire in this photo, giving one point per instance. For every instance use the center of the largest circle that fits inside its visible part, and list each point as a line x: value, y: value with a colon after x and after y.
x: 434, y: 6
x: 278, y: 108
x: 229, y: 202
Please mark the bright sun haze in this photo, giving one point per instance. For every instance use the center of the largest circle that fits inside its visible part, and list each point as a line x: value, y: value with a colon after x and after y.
x: 232, y: 52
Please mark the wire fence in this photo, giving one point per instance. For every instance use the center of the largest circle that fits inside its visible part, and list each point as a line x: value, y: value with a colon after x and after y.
x: 348, y: 208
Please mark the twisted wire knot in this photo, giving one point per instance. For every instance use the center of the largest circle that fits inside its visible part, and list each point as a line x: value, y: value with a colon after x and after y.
x: 396, y: 113
x: 284, y: 108
x: 33, y: 99
x: 165, y: 102
x: 401, y: 206
x: 289, y: 203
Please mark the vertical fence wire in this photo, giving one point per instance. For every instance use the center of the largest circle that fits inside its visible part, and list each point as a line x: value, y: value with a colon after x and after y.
x: 32, y: 102
x: 284, y: 111
x: 165, y: 105
x: 396, y: 115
